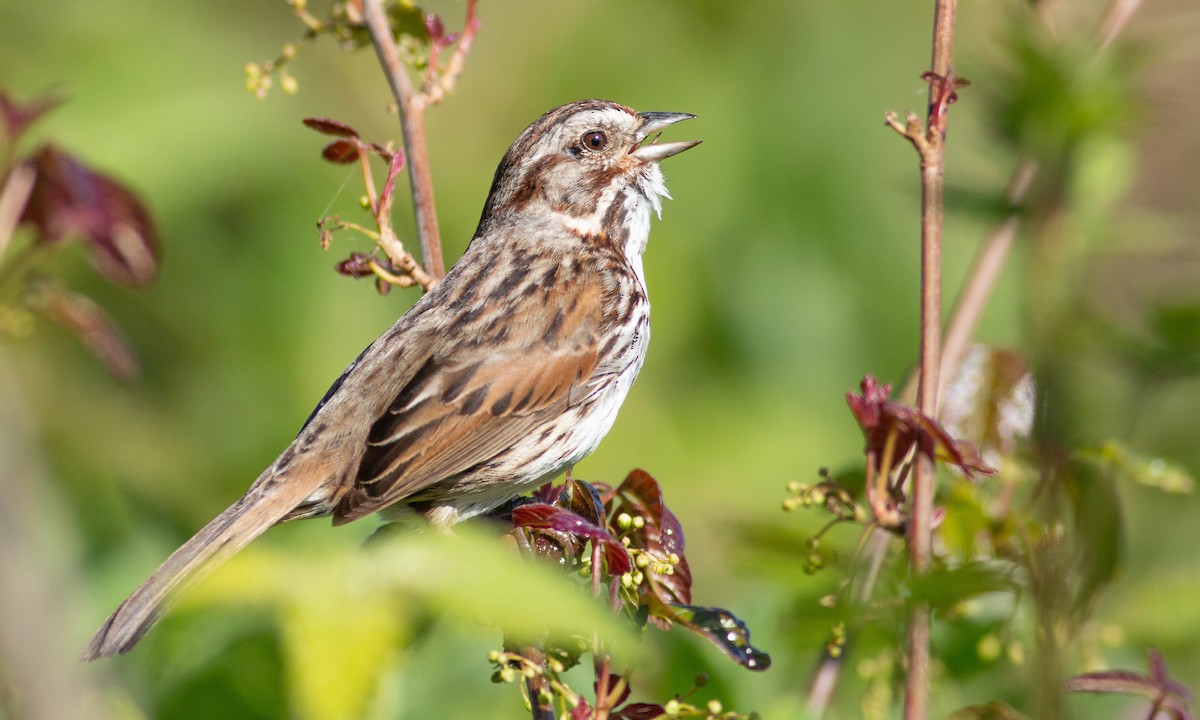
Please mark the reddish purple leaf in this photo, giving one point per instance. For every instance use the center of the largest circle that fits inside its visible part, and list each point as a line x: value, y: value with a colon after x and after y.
x: 548, y: 517
x: 547, y: 493
x: 662, y: 542
x: 341, y: 152
x: 641, y: 487
x: 670, y: 534
x: 70, y: 199
x: 613, y: 679
x: 640, y: 711
x: 17, y: 117
x: 1168, y: 694
x: 886, y: 422
x: 84, y: 318
x: 582, y: 499
x: 358, y: 265
x: 389, y: 186
x: 661, y: 536
x: 387, y: 155
x: 325, y: 126
x: 435, y: 28
x: 1113, y: 681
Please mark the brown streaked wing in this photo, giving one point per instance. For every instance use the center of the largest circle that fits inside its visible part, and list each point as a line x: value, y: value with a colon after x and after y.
x: 471, y: 401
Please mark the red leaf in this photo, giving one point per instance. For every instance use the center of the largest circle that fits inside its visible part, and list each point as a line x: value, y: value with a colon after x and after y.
x: 358, y: 265
x: 548, y: 517
x: 886, y: 422
x: 341, y: 152
x: 640, y: 711
x: 643, y: 489
x: 71, y: 199
x: 325, y: 126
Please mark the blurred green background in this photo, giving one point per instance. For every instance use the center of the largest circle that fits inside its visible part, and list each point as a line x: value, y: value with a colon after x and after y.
x: 785, y: 268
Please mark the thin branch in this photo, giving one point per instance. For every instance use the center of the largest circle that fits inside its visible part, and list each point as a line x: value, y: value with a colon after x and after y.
x: 439, y: 85
x: 930, y: 146
x: 412, y: 123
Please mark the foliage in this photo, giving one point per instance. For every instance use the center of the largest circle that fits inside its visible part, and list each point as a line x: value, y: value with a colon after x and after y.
x: 63, y: 200
x: 782, y: 274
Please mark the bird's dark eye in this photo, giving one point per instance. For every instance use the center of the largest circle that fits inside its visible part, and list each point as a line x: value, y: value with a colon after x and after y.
x: 594, y: 140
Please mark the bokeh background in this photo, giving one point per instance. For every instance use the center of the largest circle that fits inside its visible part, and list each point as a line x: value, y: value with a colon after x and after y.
x: 785, y: 268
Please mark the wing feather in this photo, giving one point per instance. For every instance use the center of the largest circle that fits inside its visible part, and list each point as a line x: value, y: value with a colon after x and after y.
x: 472, y: 400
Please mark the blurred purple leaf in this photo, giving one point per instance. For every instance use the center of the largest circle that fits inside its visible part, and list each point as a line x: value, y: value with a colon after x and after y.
x: 582, y: 711
x: 435, y: 28
x: 1166, y: 693
x: 17, y: 117
x: 71, y: 199
x: 341, y: 152
x: 326, y: 126
x: 84, y: 319
x: 1113, y: 681
x: 613, y: 679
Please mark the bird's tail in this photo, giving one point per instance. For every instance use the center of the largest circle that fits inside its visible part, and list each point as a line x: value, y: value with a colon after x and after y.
x: 270, y: 500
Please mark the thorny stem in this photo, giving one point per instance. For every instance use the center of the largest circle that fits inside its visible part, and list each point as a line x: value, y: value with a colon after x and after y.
x: 412, y: 123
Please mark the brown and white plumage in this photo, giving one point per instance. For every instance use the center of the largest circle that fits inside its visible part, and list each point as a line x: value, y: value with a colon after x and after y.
x: 511, y: 369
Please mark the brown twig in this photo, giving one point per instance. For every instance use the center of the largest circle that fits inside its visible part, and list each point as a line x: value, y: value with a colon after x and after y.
x: 412, y: 123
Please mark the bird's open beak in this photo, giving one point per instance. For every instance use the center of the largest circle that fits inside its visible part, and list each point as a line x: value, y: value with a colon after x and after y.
x: 654, y: 122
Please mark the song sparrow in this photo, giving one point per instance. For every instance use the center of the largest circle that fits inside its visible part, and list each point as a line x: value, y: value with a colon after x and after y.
x: 511, y: 369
